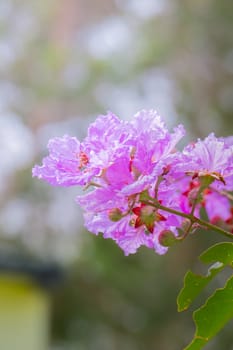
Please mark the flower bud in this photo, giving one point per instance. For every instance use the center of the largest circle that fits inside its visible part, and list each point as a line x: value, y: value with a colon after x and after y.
x: 115, y: 214
x: 167, y: 238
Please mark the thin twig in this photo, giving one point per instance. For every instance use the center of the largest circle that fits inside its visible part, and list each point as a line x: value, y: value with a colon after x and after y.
x: 192, y: 218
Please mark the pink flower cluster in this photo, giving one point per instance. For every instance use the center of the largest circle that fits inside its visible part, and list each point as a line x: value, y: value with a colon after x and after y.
x: 125, y: 166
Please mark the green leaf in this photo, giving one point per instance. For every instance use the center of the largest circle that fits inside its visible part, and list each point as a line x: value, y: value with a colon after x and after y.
x: 194, y: 284
x: 212, y: 316
x: 222, y: 255
x: 222, y: 252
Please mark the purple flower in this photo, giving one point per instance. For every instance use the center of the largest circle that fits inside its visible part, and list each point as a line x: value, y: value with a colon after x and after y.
x: 126, y: 220
x: 106, y: 141
x: 66, y: 165
x: 132, y: 171
x: 211, y: 156
x: 217, y: 207
x: 210, y: 160
x: 73, y: 163
x: 151, y: 140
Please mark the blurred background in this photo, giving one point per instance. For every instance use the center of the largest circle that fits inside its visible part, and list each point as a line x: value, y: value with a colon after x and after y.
x: 61, y: 64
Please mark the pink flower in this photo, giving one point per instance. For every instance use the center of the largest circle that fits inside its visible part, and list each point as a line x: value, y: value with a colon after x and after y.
x: 217, y: 207
x: 212, y: 157
x: 126, y: 220
x: 128, y: 167
x: 66, y: 165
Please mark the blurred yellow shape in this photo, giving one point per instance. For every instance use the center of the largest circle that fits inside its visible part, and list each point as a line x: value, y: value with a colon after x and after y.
x: 24, y: 314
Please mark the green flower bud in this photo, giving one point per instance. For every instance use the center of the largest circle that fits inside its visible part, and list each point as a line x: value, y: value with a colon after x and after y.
x: 167, y: 238
x: 115, y: 214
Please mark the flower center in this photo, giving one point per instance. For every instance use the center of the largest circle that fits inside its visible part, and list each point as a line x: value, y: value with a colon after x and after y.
x: 147, y: 215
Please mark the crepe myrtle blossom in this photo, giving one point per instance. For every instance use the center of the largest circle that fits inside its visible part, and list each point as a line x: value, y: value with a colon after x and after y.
x: 207, y: 168
x: 66, y: 164
x: 127, y: 219
x: 73, y: 163
x: 211, y: 157
x: 141, y: 190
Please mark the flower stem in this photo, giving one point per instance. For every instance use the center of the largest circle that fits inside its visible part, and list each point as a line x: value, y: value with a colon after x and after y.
x: 192, y: 218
